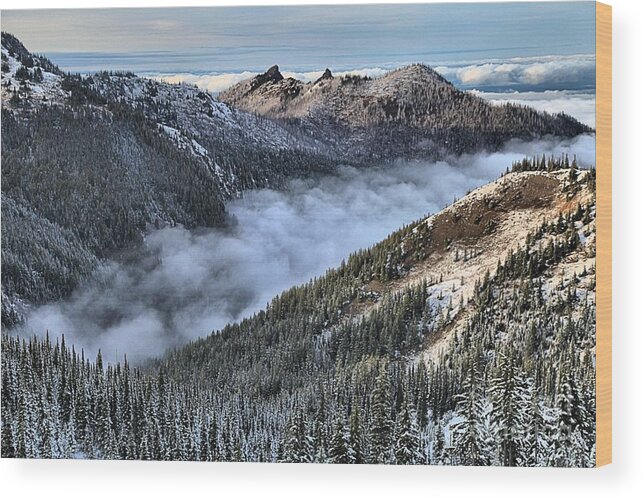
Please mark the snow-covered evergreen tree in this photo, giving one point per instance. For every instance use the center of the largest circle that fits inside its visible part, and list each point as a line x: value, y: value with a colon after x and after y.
x: 381, y: 425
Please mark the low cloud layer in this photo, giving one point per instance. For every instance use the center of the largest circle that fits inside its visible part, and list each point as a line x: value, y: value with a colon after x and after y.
x: 185, y: 284
x: 543, y: 73
x: 580, y: 105
x: 551, y: 72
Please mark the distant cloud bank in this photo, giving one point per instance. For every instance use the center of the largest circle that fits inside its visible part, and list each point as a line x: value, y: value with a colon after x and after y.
x: 580, y: 105
x: 553, y: 83
x: 552, y: 71
x: 573, y: 72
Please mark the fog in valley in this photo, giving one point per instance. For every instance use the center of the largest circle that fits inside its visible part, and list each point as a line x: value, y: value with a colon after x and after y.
x: 186, y: 284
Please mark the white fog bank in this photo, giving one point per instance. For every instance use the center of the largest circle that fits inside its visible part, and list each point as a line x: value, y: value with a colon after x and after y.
x: 186, y: 284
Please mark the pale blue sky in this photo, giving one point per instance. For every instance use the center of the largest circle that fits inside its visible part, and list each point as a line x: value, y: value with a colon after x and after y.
x: 306, y: 38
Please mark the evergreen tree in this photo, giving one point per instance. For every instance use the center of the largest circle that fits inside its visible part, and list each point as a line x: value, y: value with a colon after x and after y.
x: 339, y: 445
x: 407, y: 437
x: 510, y: 401
x: 355, y: 445
x: 381, y: 426
x: 468, y: 435
x: 298, y: 446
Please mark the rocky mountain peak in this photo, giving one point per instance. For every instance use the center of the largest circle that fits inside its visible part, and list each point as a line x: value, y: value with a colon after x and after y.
x: 327, y: 75
x: 271, y: 76
x: 427, y: 114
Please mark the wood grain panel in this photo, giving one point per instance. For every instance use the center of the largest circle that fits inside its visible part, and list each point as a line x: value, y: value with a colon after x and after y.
x: 604, y: 234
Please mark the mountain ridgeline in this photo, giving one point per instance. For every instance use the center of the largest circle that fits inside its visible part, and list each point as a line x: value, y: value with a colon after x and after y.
x: 411, y: 112
x: 464, y: 338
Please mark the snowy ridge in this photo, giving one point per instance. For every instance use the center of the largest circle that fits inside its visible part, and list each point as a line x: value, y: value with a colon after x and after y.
x: 464, y: 242
x: 194, y: 111
x: 31, y: 82
x: 410, y: 112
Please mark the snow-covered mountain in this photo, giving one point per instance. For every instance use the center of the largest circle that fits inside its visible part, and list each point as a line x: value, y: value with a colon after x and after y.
x: 462, y: 324
x: 408, y: 112
x: 196, y: 112
x: 186, y: 113
x: 99, y: 160
x: 466, y: 337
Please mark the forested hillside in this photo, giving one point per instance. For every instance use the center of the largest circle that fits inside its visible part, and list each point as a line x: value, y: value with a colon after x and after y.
x: 88, y: 167
x: 464, y: 338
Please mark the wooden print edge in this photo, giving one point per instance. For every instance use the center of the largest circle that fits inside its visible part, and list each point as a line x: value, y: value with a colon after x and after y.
x: 604, y: 234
